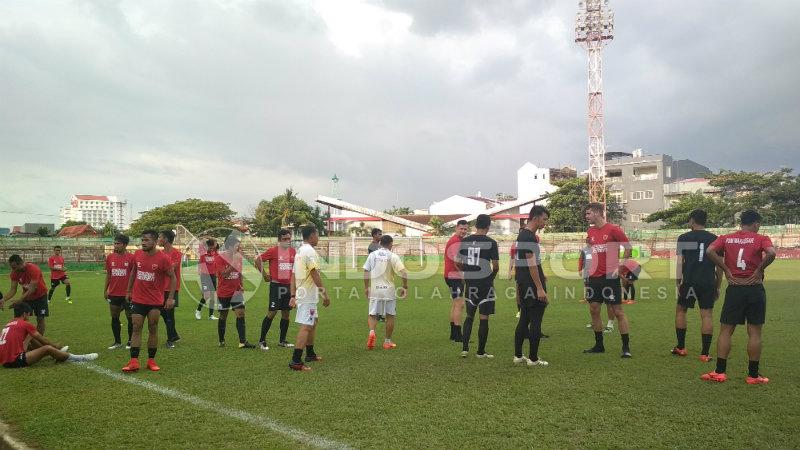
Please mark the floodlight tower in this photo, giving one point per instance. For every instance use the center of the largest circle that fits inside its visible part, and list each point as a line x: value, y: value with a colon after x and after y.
x: 594, y: 27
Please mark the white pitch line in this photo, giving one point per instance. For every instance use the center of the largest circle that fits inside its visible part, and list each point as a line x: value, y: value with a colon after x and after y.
x: 253, y: 419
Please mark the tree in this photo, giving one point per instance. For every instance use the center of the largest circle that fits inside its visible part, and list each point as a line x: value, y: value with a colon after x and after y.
x: 439, y: 229
x: 71, y: 223
x: 109, y: 230
x: 720, y: 213
x: 399, y: 210
x: 566, y: 206
x: 43, y: 231
x: 196, y: 215
x: 285, y: 210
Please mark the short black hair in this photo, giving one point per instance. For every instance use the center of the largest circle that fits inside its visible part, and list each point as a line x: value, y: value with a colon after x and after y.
x: 307, y: 231
x: 152, y: 233
x: 462, y: 222
x: 211, y: 243
x: 231, y: 241
x: 15, y: 259
x: 122, y: 239
x: 376, y: 231
x: 596, y: 207
x: 169, y: 235
x: 386, y: 239
x: 538, y: 211
x: 699, y: 217
x: 57, y: 247
x: 483, y: 221
x: 22, y: 308
x: 750, y: 217
x: 283, y: 232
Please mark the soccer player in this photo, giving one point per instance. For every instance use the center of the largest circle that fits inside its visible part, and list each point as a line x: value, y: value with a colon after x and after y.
x: 603, y: 285
x: 279, y: 277
x: 531, y: 287
x: 165, y: 240
x: 479, y: 259
x: 34, y: 291
x: 306, y: 289
x: 376, y: 240
x: 119, y: 263
x: 150, y: 269
x: 628, y: 275
x: 208, y: 277
x: 746, y: 254
x: 230, y: 290
x: 380, y: 270
x: 454, y: 279
x: 511, y: 263
x: 17, y: 334
x: 698, y: 280
x: 58, y: 274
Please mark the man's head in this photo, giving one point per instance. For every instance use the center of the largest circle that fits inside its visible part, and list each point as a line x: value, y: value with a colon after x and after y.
x: 231, y: 243
x: 211, y: 244
x: 751, y: 220
x: 462, y: 228
x: 594, y: 213
x: 149, y: 238
x: 16, y: 263
x: 483, y: 222
x: 538, y: 217
x: 121, y: 243
x: 22, y: 310
x: 376, y: 234
x: 166, y: 237
x: 57, y: 250
x: 285, y: 238
x: 387, y: 241
x: 697, y: 219
x: 310, y: 234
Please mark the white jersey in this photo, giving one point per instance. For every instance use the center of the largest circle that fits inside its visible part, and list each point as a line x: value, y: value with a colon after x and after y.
x: 305, y: 261
x: 383, y: 265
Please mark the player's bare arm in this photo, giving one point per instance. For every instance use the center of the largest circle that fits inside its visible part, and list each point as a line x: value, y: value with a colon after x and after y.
x: 12, y: 291
x: 173, y: 281
x: 131, y: 280
x: 404, y: 276
x: 315, y: 276
x: 366, y: 283
x: 292, y: 292
x: 758, y: 274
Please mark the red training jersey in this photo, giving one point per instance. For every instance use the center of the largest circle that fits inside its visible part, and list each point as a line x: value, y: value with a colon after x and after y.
x: 450, y: 253
x: 31, y: 274
x: 206, y: 265
x: 151, y: 271
x: 231, y: 283
x: 118, y: 269
x: 281, y: 263
x: 175, y: 256
x: 12, y: 339
x: 605, y: 244
x: 56, y: 264
x: 744, y: 251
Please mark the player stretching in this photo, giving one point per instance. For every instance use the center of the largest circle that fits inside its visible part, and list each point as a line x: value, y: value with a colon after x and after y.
x: 279, y: 277
x: 118, y: 266
x: 479, y: 259
x: 746, y: 254
x: 208, y: 277
x: 697, y: 281
x: 17, y: 334
x: 379, y: 271
x: 306, y: 288
x: 34, y: 292
x: 603, y: 285
x: 58, y: 274
x: 165, y: 240
x: 151, y: 268
x: 531, y: 287
x: 454, y: 279
x: 230, y: 290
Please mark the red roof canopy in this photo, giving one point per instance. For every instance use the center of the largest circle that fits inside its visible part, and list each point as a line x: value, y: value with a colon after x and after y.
x: 92, y: 197
x: 78, y: 231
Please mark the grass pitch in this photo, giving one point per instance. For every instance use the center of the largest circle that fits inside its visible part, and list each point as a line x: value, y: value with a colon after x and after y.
x: 421, y: 395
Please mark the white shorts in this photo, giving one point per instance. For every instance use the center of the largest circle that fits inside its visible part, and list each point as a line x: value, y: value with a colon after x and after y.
x: 306, y: 314
x: 382, y: 307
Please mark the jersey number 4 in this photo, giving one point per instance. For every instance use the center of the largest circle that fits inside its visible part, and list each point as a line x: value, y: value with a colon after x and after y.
x: 739, y: 261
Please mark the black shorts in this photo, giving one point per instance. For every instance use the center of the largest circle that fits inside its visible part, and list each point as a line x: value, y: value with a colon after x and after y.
x: 456, y: 286
x: 527, y: 295
x: 603, y: 290
x: 235, y: 302
x: 117, y: 300
x: 481, y: 298
x: 20, y: 361
x: 174, y: 297
x: 143, y: 310
x: 702, y: 294
x: 56, y: 282
x: 40, y: 306
x: 279, y: 296
x: 633, y: 275
x: 208, y: 282
x: 744, y: 303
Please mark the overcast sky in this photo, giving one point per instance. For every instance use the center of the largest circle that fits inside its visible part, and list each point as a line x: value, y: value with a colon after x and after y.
x: 407, y: 101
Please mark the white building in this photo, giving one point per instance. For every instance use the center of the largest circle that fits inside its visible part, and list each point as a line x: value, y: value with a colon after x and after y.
x: 97, y: 211
x: 460, y: 204
x: 533, y: 182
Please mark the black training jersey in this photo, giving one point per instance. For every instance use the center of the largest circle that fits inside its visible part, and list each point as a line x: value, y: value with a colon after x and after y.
x: 527, y: 244
x: 697, y: 268
x: 373, y: 246
x: 476, y: 254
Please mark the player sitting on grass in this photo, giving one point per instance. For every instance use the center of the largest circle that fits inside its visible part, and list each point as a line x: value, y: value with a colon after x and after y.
x: 17, y: 334
x: 379, y: 271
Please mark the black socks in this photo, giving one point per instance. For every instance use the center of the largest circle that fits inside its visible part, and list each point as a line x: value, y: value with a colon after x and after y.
x: 240, y: 329
x: 265, y: 325
x: 116, y: 328
x: 706, y: 344
x: 680, y: 333
x: 483, y: 335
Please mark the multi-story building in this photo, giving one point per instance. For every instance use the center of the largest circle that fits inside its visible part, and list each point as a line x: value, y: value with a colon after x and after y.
x: 96, y: 210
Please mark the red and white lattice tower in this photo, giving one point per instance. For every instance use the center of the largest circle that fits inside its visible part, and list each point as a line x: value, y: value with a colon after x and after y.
x: 594, y: 27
